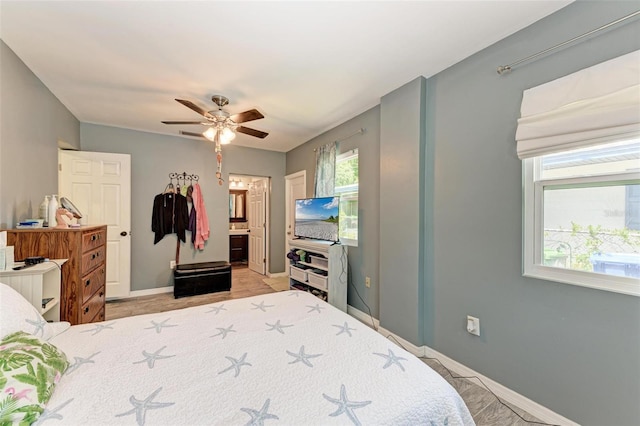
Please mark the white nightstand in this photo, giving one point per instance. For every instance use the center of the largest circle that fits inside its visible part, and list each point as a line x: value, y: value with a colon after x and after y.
x: 36, y: 283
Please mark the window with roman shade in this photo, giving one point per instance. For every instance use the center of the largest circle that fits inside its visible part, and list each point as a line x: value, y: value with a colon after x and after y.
x: 579, y: 138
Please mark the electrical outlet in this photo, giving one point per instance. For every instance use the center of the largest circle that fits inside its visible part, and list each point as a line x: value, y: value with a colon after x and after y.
x: 367, y: 282
x: 172, y: 264
x: 473, y: 325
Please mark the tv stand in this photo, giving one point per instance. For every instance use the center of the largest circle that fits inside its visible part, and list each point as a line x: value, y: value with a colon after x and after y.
x: 323, y: 272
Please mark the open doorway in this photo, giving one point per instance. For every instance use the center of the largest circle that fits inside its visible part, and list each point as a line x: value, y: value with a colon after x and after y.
x: 249, y: 222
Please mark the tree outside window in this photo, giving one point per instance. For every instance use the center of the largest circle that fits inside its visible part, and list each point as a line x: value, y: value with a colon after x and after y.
x: 346, y: 186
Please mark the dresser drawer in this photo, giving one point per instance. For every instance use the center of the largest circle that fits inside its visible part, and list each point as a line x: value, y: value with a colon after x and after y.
x: 93, y: 282
x: 99, y: 316
x: 92, y: 308
x: 93, y: 258
x: 91, y: 240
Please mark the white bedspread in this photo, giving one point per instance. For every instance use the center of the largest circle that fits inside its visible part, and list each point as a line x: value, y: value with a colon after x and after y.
x: 283, y: 358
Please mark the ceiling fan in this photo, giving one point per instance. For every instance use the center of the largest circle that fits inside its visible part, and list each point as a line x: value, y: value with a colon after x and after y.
x: 222, y: 125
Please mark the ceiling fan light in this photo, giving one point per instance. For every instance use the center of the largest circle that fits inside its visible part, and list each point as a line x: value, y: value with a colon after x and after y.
x: 210, y: 134
x: 226, y: 135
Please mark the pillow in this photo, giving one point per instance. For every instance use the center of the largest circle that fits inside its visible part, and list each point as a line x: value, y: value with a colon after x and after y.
x: 29, y: 371
x: 17, y: 314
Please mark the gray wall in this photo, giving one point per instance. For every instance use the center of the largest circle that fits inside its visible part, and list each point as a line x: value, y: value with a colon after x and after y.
x: 572, y: 349
x: 32, y: 121
x: 363, y: 260
x: 402, y: 147
x: 153, y: 157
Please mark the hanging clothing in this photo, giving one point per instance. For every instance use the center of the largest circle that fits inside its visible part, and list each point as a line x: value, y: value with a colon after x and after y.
x: 170, y: 215
x: 202, y: 221
x: 192, y: 224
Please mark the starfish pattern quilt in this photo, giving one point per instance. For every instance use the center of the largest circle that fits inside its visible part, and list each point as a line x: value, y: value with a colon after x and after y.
x: 285, y: 358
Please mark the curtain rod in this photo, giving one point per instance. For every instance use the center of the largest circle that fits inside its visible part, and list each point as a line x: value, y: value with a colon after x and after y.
x: 359, y: 132
x: 506, y: 68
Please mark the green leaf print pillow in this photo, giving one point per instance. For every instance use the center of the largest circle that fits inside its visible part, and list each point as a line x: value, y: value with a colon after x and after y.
x: 29, y: 371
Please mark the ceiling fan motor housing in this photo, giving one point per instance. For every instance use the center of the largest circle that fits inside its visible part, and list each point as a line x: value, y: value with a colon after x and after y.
x: 220, y: 100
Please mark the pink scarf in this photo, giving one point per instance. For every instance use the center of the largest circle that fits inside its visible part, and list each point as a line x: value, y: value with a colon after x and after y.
x: 202, y: 222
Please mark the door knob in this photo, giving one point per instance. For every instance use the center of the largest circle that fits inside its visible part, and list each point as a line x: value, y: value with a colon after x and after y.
x: 123, y: 233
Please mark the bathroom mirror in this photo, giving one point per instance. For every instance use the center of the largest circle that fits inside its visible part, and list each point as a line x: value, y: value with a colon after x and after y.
x: 237, y: 205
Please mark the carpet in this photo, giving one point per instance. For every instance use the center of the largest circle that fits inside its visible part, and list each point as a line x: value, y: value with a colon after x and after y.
x: 278, y: 284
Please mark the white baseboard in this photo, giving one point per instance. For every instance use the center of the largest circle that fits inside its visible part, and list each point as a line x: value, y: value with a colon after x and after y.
x: 278, y: 274
x: 149, y: 292
x: 362, y: 317
x: 501, y: 391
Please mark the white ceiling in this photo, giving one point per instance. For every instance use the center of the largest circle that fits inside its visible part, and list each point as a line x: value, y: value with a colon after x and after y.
x: 307, y: 66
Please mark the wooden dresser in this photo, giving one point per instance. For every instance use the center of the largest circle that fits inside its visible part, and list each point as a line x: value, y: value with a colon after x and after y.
x: 83, y: 275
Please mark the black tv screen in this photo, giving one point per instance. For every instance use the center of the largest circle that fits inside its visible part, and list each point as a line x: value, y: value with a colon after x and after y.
x: 317, y: 218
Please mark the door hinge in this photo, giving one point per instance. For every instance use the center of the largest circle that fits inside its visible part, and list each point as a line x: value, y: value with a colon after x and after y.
x: 59, y: 167
x: 264, y: 260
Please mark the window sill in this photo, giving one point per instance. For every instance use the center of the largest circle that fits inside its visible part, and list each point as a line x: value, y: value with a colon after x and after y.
x: 616, y: 284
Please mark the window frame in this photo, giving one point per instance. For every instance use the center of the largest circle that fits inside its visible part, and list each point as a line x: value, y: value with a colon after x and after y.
x: 345, y: 156
x: 533, y: 232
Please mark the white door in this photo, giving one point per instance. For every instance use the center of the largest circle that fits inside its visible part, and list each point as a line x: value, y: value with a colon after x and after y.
x: 257, y: 225
x: 295, y: 189
x: 99, y: 184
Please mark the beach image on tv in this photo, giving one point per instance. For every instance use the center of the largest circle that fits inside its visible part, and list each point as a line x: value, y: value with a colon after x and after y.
x: 317, y: 218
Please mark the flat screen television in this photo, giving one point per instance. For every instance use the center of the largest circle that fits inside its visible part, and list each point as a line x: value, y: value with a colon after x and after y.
x: 317, y: 218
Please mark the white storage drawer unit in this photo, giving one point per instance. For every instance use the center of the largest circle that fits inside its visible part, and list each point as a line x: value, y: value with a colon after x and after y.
x: 298, y: 274
x: 320, y: 262
x: 316, y: 280
x: 323, y: 271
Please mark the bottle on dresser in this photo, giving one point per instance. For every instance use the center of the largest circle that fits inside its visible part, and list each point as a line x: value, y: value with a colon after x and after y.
x: 43, y: 212
x: 53, y: 207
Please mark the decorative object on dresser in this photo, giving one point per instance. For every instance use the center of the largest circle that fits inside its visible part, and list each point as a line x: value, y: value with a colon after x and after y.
x: 320, y: 268
x: 83, y: 287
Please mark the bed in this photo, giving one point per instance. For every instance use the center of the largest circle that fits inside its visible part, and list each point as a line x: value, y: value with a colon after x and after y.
x: 282, y: 358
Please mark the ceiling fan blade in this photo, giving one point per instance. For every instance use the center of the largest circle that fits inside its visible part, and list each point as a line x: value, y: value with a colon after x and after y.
x: 252, y: 132
x: 197, y: 135
x: 185, y: 122
x: 195, y: 107
x: 243, y: 117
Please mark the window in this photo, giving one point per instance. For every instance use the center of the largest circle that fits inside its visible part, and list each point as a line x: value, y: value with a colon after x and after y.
x: 346, y: 186
x: 581, y: 216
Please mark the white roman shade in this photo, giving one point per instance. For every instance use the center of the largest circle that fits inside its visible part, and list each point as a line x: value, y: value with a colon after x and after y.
x: 591, y: 106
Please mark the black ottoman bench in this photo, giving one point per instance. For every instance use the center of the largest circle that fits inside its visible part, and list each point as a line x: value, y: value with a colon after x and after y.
x: 201, y: 278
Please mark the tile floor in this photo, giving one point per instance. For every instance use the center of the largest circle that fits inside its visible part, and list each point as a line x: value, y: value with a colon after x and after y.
x: 484, y: 407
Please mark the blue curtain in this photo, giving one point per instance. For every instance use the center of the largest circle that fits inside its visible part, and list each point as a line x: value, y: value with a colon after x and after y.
x: 325, y: 170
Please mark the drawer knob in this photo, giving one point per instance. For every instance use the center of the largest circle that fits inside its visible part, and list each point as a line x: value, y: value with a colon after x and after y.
x: 101, y: 294
x: 94, y: 237
x: 87, y: 283
x: 86, y: 310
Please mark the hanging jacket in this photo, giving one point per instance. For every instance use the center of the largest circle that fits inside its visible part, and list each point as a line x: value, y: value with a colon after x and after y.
x: 202, y: 222
x: 192, y: 223
x: 170, y: 215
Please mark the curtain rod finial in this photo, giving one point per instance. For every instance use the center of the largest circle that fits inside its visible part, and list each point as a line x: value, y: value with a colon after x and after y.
x: 503, y: 69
